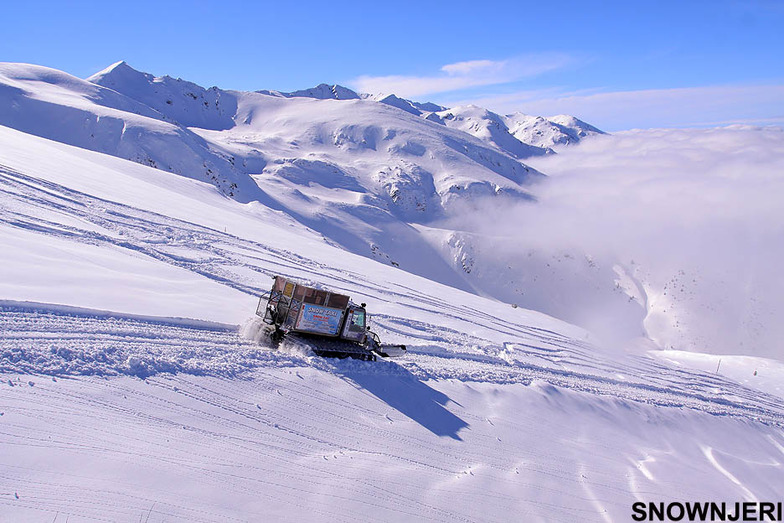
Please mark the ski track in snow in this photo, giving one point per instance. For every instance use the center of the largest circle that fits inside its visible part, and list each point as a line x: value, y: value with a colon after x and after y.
x: 219, y: 256
x: 160, y: 237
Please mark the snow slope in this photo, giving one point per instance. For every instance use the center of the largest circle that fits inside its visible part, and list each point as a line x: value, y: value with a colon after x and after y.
x: 352, y: 443
x: 134, y: 385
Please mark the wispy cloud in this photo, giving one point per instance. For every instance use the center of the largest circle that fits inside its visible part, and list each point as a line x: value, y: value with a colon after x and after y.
x: 463, y: 75
x: 680, y: 107
x: 470, y: 67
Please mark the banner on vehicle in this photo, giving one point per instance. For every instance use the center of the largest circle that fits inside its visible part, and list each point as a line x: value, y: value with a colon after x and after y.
x: 319, y: 319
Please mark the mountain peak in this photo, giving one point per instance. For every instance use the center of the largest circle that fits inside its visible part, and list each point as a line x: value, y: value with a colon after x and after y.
x: 325, y: 92
x: 178, y: 100
x: 567, y: 120
x: 547, y: 132
x: 400, y: 103
x: 122, y: 64
x: 490, y: 127
x: 117, y: 72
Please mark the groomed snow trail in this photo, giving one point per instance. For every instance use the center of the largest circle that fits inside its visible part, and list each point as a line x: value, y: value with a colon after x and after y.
x: 61, y: 341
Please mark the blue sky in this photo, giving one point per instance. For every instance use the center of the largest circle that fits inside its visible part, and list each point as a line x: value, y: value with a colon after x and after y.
x: 618, y: 65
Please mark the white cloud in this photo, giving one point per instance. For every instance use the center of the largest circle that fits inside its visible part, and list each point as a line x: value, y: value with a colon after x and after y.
x: 412, y: 86
x: 681, y: 107
x: 462, y: 75
x: 696, y: 215
x: 464, y: 68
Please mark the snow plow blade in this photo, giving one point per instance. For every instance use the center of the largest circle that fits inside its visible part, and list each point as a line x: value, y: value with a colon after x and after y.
x: 391, y: 351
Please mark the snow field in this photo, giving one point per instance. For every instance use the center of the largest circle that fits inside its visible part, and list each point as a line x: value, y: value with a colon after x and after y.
x: 346, y: 443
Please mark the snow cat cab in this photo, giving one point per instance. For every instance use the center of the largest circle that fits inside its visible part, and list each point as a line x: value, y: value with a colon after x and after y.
x: 334, y: 325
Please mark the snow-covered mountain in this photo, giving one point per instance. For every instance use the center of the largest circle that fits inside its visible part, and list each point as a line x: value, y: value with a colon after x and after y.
x: 324, y: 92
x: 134, y: 384
x: 358, y: 171
x: 491, y: 128
x: 58, y: 106
x: 178, y: 100
x: 548, y: 132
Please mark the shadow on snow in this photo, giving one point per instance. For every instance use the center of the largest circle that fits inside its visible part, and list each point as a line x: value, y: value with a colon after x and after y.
x: 403, y: 391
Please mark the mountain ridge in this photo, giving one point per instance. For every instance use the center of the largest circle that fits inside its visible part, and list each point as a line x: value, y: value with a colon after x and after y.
x: 571, y: 128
